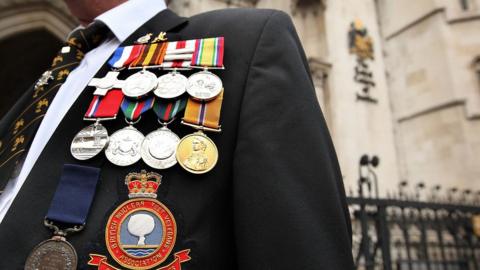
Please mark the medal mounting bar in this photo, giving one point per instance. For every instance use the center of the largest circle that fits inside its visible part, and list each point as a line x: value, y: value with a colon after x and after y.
x: 203, y: 128
x: 62, y: 232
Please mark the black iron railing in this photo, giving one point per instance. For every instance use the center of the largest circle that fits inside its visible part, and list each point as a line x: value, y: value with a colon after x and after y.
x: 408, y: 231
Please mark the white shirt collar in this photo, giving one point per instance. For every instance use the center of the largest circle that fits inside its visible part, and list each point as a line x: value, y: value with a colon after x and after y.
x: 126, y: 18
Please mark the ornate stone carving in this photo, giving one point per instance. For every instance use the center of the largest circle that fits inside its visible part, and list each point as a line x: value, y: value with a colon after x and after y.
x: 241, y: 3
x: 305, y: 6
x: 319, y: 69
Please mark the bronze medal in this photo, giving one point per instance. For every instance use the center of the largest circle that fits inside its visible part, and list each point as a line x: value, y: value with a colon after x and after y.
x: 55, y: 253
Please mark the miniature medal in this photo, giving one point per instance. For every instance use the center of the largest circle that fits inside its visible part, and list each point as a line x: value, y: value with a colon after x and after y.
x: 171, y: 85
x: 91, y: 140
x: 160, y: 146
x: 141, y: 232
x: 197, y: 153
x: 125, y: 144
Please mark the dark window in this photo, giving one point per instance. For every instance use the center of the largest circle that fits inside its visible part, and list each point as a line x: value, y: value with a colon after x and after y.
x: 465, y: 4
x: 24, y: 58
x: 477, y: 68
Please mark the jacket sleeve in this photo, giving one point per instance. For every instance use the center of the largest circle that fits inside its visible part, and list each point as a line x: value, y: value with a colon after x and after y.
x: 289, y: 200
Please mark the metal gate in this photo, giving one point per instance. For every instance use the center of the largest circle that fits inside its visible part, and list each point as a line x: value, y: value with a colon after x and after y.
x: 414, y: 230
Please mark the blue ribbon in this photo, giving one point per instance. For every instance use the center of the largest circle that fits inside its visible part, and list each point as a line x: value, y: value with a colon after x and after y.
x: 74, y: 195
x: 116, y: 56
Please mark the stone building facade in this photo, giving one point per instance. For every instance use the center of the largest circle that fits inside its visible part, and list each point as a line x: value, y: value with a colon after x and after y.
x: 414, y: 101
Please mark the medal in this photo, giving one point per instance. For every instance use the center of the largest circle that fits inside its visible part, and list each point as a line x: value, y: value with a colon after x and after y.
x: 70, y: 205
x: 141, y: 232
x: 122, y: 57
x: 125, y: 144
x: 91, y: 140
x: 55, y: 253
x: 197, y: 153
x: 160, y: 146
x: 171, y: 85
x: 204, y: 85
x: 208, y: 54
x: 103, y: 85
x: 139, y: 84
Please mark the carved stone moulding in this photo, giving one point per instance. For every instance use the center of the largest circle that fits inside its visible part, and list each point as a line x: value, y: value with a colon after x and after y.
x: 305, y: 6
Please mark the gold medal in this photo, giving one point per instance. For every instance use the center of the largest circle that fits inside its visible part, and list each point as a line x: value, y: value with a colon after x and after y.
x: 197, y: 153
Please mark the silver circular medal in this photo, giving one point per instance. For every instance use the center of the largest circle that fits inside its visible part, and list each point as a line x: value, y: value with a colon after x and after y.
x: 124, y: 146
x: 139, y: 84
x: 159, y: 148
x: 52, y: 254
x: 204, y: 85
x: 171, y: 85
x: 89, y: 142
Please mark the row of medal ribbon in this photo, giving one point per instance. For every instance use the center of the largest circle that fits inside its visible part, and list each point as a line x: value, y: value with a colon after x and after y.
x: 161, y: 149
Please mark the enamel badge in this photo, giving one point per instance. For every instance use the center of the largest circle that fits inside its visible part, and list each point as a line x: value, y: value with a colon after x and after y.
x: 141, y: 232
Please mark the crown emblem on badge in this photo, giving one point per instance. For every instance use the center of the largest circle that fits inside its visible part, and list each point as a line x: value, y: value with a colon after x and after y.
x: 143, y: 184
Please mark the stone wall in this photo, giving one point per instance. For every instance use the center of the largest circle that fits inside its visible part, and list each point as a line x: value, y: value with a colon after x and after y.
x: 430, y: 51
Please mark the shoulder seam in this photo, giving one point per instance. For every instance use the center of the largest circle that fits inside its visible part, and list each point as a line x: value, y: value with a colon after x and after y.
x: 255, y: 52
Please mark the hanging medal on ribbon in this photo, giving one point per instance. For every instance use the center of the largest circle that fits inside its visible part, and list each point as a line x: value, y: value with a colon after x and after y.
x: 160, y: 146
x: 104, y: 106
x: 67, y: 214
x: 121, y: 58
x: 196, y: 152
x: 178, y: 57
x: 141, y: 83
x: 208, y: 54
x: 125, y: 144
x: 92, y: 139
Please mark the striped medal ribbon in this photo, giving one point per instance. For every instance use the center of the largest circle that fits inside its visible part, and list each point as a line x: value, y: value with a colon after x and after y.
x: 196, y: 152
x: 140, y: 84
x: 167, y: 110
x: 160, y: 146
x: 121, y: 58
x: 91, y: 140
x: 208, y: 54
x: 133, y: 109
x: 125, y: 144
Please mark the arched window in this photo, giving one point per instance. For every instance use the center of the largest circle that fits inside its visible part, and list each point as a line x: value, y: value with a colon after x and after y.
x: 31, y: 33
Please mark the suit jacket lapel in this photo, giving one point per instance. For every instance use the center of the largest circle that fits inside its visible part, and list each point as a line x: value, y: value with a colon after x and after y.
x: 31, y: 203
x: 164, y: 21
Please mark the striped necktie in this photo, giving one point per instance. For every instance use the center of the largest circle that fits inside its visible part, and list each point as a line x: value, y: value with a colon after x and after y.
x: 14, y: 144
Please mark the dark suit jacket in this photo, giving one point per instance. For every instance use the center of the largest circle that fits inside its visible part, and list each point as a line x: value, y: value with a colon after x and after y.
x: 275, y: 200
